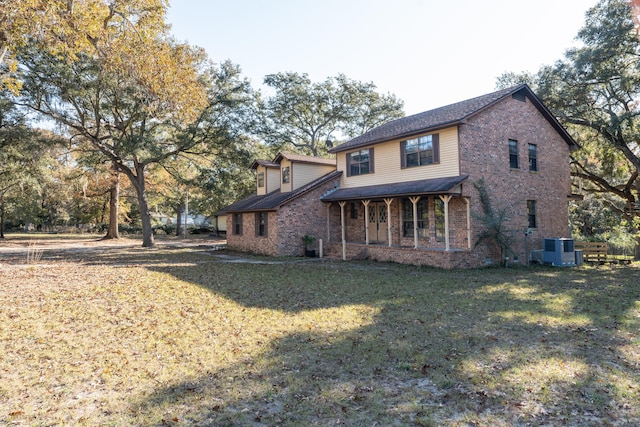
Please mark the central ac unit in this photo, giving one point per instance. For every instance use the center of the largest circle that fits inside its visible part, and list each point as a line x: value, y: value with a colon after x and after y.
x: 559, y: 252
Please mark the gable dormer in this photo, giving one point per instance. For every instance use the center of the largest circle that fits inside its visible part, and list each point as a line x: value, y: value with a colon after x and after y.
x: 297, y: 170
x: 267, y: 176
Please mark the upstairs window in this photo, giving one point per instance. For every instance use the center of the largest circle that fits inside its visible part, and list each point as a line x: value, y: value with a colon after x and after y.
x: 260, y: 179
x: 531, y: 213
x: 286, y: 175
x: 513, y: 154
x: 261, y: 224
x: 424, y: 150
x: 360, y: 162
x: 533, y: 158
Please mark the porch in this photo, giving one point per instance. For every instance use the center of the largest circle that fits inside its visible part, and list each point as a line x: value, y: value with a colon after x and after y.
x: 425, y: 222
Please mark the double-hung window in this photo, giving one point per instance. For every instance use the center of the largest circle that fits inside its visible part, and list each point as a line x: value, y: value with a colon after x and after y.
x: 531, y: 213
x: 260, y: 179
x: 513, y: 154
x: 286, y: 175
x: 424, y: 150
x: 261, y: 224
x: 354, y: 210
x: 237, y: 223
x: 360, y: 162
x: 423, y: 217
x: 533, y: 157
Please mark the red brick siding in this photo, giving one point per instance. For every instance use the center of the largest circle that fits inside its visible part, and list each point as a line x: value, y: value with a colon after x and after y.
x: 304, y: 215
x: 484, y: 152
x: 285, y: 227
x: 404, y: 255
x: 249, y: 241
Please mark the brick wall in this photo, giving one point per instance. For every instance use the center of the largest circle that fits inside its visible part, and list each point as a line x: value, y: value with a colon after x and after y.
x: 484, y: 152
x: 405, y: 255
x: 249, y: 241
x: 304, y: 215
x: 285, y: 227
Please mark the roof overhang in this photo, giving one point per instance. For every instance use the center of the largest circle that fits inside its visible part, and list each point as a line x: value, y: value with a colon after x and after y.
x: 264, y: 163
x: 448, y: 185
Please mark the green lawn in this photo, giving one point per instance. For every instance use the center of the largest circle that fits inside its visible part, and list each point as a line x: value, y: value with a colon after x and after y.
x: 178, y: 337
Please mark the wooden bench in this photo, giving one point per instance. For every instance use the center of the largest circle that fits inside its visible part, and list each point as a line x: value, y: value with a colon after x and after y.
x: 596, y: 253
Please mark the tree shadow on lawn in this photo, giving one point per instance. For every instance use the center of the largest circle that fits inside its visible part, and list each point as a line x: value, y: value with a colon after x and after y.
x: 484, y: 347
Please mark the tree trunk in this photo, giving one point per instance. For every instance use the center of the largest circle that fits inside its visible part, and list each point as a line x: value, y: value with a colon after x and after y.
x: 145, y: 215
x: 1, y: 220
x: 179, y: 220
x: 114, y: 204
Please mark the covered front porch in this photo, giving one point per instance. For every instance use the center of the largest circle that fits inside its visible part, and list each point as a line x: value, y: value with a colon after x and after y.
x: 419, y: 222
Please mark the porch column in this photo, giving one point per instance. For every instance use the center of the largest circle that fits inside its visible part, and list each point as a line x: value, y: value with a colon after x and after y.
x: 466, y: 199
x: 388, y: 202
x: 414, y: 202
x: 366, y: 220
x: 344, y: 240
x: 446, y: 199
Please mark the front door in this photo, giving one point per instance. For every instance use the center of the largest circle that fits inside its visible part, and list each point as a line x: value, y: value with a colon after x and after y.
x: 378, y: 231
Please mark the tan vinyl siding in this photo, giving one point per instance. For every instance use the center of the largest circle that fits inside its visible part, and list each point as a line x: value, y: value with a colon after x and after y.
x: 304, y: 173
x: 273, y: 179
x: 388, y: 166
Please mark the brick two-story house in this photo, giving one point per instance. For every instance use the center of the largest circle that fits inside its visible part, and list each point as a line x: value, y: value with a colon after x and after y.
x: 404, y: 191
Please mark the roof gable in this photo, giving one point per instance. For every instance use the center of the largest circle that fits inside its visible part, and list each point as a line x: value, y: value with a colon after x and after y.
x: 265, y: 163
x: 447, y: 116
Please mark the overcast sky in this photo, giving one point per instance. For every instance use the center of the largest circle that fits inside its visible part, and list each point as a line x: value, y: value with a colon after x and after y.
x: 428, y: 53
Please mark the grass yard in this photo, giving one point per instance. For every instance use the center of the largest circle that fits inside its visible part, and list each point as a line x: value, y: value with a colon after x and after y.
x: 178, y: 336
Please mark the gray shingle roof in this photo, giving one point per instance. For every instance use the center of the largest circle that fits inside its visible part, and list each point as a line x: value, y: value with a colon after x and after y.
x: 275, y: 199
x: 305, y: 159
x: 444, y: 117
x: 398, y: 189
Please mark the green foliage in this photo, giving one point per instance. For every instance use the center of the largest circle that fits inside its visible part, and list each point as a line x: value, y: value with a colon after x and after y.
x: 595, y: 93
x: 308, y: 240
x: 308, y: 117
x: 32, y: 189
x: 494, y: 221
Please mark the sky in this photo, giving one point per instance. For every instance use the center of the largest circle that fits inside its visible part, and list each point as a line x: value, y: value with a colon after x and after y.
x: 428, y: 53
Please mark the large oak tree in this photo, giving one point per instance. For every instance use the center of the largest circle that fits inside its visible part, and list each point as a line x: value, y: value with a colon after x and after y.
x: 307, y: 117
x: 595, y: 92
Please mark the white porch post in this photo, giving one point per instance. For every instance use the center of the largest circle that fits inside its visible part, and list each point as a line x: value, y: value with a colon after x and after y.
x: 414, y: 202
x: 366, y: 220
x: 446, y: 199
x: 466, y: 199
x: 344, y: 240
x: 388, y: 202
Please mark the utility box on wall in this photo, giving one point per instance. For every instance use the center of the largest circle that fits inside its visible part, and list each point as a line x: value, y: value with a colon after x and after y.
x: 559, y: 252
